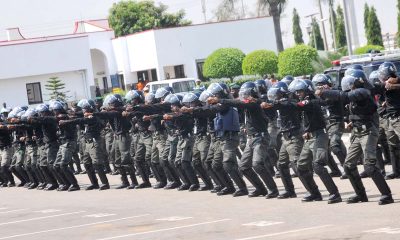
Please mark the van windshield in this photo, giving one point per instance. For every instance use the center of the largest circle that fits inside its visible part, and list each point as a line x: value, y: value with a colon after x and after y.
x: 183, y: 86
x: 157, y: 86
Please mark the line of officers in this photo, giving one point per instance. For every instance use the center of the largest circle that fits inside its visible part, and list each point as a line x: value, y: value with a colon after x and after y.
x: 221, y: 135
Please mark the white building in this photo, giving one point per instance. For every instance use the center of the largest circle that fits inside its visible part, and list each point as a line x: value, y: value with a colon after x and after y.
x: 91, y: 57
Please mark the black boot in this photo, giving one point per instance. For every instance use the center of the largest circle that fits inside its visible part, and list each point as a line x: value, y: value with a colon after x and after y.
x: 395, y: 164
x: 50, y: 179
x: 131, y: 172
x: 382, y: 186
x: 64, y: 182
x: 124, y: 179
x: 256, y: 182
x: 335, y: 171
x: 306, y: 177
x: 191, y: 175
x: 69, y: 175
x: 18, y: 175
x: 143, y: 172
x: 92, y: 177
x: 287, y: 183
x: 159, y: 175
x: 103, y: 177
x: 334, y: 195
x: 234, y: 174
x: 204, y: 177
x: 358, y: 186
x: 269, y: 181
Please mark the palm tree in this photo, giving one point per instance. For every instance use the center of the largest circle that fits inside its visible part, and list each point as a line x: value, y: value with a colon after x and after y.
x: 275, y: 9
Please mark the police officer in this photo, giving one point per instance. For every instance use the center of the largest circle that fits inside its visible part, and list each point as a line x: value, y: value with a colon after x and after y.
x: 145, y: 140
x: 387, y: 74
x: 201, y: 141
x: 120, y: 126
x: 364, y: 124
x: 290, y: 128
x: 48, y: 144
x: 254, y: 160
x: 184, y: 124
x: 226, y: 124
x: 314, y: 152
x: 67, y: 139
x: 93, y: 157
x: 334, y: 115
x: 6, y: 154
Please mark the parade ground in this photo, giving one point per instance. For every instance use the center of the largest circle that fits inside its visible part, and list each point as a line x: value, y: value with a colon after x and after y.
x: 170, y: 214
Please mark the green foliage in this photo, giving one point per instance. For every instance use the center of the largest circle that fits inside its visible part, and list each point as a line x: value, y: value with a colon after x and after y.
x: 367, y: 49
x: 260, y: 62
x: 296, y: 61
x: 318, y: 36
x: 224, y: 63
x: 127, y: 17
x: 297, y: 33
x: 332, y: 17
x: 366, y: 14
x: 341, y: 40
x: 55, y: 86
x: 374, y: 33
x: 324, y: 61
x: 398, y: 23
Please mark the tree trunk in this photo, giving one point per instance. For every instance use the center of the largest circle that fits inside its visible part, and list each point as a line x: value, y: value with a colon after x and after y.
x: 277, y: 27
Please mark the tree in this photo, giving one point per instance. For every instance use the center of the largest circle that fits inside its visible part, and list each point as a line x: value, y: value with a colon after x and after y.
x: 127, y: 17
x: 260, y: 62
x: 340, y: 30
x: 366, y: 14
x: 275, y: 9
x: 224, y: 63
x: 374, y: 32
x: 297, y: 61
x: 55, y: 86
x: 297, y: 33
x: 398, y: 23
x: 332, y: 18
x: 226, y: 10
x: 317, y: 37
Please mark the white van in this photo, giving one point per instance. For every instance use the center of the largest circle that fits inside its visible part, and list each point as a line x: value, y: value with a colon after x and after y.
x: 180, y: 85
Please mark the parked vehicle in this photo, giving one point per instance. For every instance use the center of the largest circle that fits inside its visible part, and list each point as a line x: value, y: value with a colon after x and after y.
x: 180, y: 85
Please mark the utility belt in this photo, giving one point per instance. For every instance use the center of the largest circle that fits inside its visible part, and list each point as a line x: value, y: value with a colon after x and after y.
x: 314, y: 134
x: 256, y: 135
x: 91, y: 140
x: 5, y: 148
x: 291, y: 134
x: 362, y: 128
x: 228, y: 134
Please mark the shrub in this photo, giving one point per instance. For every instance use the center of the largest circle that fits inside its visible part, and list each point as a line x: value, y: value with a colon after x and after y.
x: 367, y: 49
x: 260, y: 62
x: 296, y: 61
x: 224, y: 63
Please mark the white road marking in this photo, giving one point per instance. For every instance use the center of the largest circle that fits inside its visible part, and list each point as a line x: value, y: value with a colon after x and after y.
x: 164, y: 229
x: 76, y: 226
x: 100, y: 215
x: 262, y: 223
x: 16, y: 210
x: 173, y: 219
x: 38, y: 218
x: 48, y: 211
x: 283, y: 233
x: 386, y: 230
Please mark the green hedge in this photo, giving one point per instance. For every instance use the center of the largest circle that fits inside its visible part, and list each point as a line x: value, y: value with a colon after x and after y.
x: 367, y: 49
x: 260, y: 62
x: 296, y: 61
x: 224, y: 63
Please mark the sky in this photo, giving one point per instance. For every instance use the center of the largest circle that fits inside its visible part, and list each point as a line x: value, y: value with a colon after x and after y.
x: 50, y: 17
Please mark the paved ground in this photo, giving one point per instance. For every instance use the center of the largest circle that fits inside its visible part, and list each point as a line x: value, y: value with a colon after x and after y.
x: 160, y: 214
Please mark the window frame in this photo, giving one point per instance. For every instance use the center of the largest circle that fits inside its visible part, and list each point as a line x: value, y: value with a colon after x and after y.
x: 40, y: 92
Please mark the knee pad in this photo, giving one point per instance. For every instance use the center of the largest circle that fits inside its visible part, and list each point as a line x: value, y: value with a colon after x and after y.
x: 370, y: 170
x: 318, y: 169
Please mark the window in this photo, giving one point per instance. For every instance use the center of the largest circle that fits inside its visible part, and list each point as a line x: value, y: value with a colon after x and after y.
x: 199, y: 65
x: 186, y: 86
x: 157, y: 86
x: 34, y: 92
x: 179, y: 71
